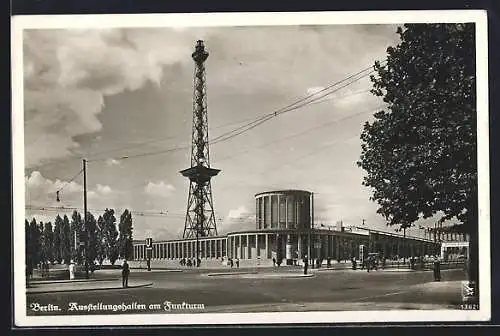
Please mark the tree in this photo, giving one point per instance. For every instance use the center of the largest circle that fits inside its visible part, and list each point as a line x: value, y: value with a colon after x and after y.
x: 34, y: 247
x: 92, y: 237
x: 76, y: 234
x: 58, y: 225
x: 41, y: 242
x: 110, y: 235
x: 48, y: 242
x: 27, y: 243
x: 420, y: 153
x: 125, y: 240
x: 66, y: 240
x: 101, y: 240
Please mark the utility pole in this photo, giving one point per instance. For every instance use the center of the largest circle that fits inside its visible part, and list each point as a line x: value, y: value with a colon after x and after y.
x: 85, y: 225
x: 404, y: 244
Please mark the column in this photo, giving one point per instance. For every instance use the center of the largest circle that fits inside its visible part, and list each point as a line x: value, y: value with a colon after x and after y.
x: 249, y: 248
x: 299, y: 247
x: 288, y: 247
x: 286, y: 211
x: 266, y: 237
x: 257, y: 252
x: 233, y: 247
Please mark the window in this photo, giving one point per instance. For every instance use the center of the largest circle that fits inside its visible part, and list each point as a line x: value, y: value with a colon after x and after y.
x: 291, y: 212
x: 282, y: 212
x: 267, y: 213
x: 274, y: 207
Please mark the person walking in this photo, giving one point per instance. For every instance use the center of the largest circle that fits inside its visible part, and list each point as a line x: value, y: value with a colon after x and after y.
x: 237, y: 263
x: 306, y: 263
x: 125, y: 273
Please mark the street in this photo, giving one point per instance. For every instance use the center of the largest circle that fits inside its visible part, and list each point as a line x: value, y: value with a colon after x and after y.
x: 326, y: 290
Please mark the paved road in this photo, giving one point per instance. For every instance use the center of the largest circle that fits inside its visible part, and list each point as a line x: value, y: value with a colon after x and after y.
x: 194, y: 286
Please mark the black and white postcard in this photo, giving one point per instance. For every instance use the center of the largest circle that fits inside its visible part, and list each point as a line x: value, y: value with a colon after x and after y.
x: 251, y: 168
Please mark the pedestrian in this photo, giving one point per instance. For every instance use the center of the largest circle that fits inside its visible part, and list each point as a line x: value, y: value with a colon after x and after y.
x: 125, y: 273
x: 306, y: 263
x: 237, y: 263
x: 274, y: 262
x: 231, y: 262
x: 437, y: 270
x: 71, y: 270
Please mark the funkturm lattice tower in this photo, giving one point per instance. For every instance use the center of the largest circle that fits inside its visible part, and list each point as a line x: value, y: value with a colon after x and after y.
x: 200, y: 217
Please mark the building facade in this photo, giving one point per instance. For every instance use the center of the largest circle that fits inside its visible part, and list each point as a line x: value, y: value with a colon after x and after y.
x: 285, y: 231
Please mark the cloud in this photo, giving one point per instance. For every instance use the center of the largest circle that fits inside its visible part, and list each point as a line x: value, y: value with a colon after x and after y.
x: 112, y: 162
x: 68, y: 73
x: 237, y: 219
x: 160, y: 189
x: 103, y: 190
x: 237, y: 213
x: 41, y: 191
x: 314, y: 90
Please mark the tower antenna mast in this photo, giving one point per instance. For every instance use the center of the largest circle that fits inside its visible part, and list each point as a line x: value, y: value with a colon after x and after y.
x: 200, y: 217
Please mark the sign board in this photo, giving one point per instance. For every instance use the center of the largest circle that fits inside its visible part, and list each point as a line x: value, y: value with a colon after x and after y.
x: 149, y: 243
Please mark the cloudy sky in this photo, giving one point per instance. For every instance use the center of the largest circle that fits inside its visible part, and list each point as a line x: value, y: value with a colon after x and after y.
x: 105, y: 94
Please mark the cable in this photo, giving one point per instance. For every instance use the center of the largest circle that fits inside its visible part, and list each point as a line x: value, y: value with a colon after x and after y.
x: 250, y: 126
x: 68, y: 182
x: 136, y: 212
x: 292, y: 106
x: 242, y: 129
x: 296, y: 134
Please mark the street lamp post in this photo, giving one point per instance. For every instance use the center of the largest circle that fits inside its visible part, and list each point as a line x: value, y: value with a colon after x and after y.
x: 404, y: 244
x: 85, y: 224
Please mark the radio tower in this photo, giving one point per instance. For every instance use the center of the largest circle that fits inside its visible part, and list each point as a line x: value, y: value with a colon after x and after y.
x: 200, y: 218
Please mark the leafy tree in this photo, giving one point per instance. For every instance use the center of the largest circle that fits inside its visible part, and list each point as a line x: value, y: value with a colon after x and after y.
x: 110, y: 234
x: 27, y: 243
x: 92, y: 237
x: 41, y: 242
x: 420, y: 153
x: 125, y: 240
x: 48, y: 242
x: 76, y: 234
x: 101, y: 240
x: 66, y: 240
x: 58, y: 225
x: 34, y: 247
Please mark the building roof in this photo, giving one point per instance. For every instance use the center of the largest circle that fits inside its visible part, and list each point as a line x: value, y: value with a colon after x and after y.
x: 284, y: 191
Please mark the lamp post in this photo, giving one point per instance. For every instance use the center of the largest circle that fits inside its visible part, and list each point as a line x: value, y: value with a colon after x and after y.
x: 404, y: 244
x: 85, y: 224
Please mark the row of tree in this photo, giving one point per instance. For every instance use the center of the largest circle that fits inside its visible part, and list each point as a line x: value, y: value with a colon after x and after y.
x: 65, y: 240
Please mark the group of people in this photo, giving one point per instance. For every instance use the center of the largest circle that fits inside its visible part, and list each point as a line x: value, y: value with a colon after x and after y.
x: 190, y: 262
x: 232, y: 262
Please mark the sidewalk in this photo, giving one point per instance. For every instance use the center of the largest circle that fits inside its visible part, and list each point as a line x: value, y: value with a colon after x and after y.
x: 79, y: 285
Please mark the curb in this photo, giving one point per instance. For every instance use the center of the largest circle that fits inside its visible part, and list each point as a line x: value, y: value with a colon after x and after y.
x: 43, y: 282
x: 264, y: 276
x: 230, y: 273
x: 88, y: 289
x: 157, y: 270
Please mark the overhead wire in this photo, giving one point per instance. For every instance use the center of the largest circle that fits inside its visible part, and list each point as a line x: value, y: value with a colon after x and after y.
x: 310, y: 99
